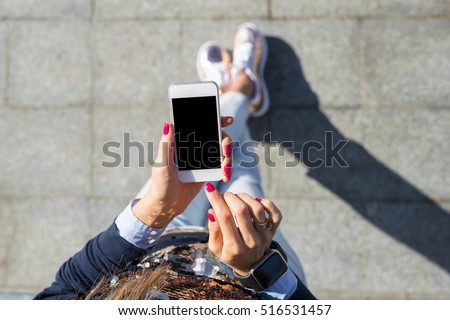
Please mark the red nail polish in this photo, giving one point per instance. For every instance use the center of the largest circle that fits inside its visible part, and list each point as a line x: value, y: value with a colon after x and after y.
x: 227, y: 170
x: 258, y: 199
x: 228, y: 150
x: 166, y: 128
x: 209, y: 187
x: 211, y: 217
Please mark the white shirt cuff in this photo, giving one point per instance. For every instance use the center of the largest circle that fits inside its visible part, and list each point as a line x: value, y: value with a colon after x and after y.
x: 134, y: 230
x: 283, y: 288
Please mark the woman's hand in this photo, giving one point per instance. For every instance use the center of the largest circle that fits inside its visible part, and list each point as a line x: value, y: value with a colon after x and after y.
x: 241, y: 246
x: 167, y: 196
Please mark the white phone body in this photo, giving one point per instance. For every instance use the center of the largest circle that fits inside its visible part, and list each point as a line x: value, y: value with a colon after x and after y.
x: 195, y: 114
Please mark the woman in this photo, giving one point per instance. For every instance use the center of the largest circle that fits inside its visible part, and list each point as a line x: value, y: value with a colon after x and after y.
x: 159, y: 247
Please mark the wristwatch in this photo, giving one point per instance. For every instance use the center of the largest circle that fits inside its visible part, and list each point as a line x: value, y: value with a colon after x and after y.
x: 267, y: 270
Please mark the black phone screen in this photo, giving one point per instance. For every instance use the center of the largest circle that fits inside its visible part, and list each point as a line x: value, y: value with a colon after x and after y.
x: 196, y: 133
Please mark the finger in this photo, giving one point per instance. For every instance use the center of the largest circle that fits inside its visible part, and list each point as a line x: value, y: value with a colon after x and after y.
x: 275, y: 215
x: 224, y: 216
x: 227, y: 161
x: 225, y: 121
x: 227, y: 146
x: 256, y: 208
x: 166, y: 147
x: 259, y: 216
x: 244, y: 219
x: 215, y: 242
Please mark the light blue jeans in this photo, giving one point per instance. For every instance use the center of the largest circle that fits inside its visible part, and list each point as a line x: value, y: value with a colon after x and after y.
x: 246, y: 178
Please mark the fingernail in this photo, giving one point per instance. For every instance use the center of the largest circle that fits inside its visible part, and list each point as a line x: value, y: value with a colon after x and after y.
x: 228, y: 150
x: 227, y: 170
x: 258, y: 199
x: 166, y: 128
x: 211, y: 216
x: 209, y: 187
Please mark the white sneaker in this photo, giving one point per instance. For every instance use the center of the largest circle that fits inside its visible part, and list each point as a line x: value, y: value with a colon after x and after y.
x: 214, y: 64
x: 250, y: 55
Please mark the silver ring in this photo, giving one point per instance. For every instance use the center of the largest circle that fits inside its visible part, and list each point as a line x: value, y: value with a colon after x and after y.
x: 262, y: 225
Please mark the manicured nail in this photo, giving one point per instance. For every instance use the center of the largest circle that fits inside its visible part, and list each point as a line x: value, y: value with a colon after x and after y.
x: 211, y: 216
x: 209, y: 187
x: 228, y: 150
x: 229, y: 119
x: 166, y: 128
x: 227, y: 170
x: 258, y: 199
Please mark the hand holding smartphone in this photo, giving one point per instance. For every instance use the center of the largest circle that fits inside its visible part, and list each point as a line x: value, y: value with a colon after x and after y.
x: 195, y: 114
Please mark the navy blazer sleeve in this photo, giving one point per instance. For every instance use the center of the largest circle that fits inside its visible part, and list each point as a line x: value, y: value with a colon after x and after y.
x: 106, y: 253
x: 302, y: 292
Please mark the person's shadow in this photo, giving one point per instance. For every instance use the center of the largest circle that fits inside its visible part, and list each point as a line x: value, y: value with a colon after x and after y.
x: 366, y: 182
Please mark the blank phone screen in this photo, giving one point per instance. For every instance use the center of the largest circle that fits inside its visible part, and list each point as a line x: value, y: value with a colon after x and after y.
x: 196, y: 133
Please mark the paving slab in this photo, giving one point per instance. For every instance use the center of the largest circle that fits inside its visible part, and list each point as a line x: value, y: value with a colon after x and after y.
x: 378, y: 169
x: 407, y: 63
x: 136, y: 61
x: 330, y: 240
x: 46, y: 152
x: 421, y: 266
x: 412, y: 144
x: 181, y: 10
x: 102, y: 213
x: 358, y: 8
x: 7, y: 228
x: 49, y: 63
x: 3, y: 62
x: 45, y: 8
x: 321, y: 55
x: 14, y: 295
x: 127, y: 127
x: 307, y: 136
x: 57, y: 224
x: 320, y: 8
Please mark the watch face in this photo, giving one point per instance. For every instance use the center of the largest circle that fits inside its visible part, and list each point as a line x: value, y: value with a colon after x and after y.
x: 272, y: 268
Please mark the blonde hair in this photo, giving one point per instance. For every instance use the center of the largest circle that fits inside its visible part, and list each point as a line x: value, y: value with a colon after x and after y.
x: 163, y: 283
x: 132, y: 285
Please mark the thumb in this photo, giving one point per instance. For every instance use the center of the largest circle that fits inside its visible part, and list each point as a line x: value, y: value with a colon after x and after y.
x: 215, y: 242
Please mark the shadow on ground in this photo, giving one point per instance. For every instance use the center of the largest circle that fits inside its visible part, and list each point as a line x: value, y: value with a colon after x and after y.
x: 374, y: 191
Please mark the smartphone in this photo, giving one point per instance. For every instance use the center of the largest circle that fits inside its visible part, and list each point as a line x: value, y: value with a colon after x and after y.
x: 195, y: 114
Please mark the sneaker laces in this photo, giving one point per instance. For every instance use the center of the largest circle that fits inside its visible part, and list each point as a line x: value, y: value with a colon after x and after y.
x: 243, y: 55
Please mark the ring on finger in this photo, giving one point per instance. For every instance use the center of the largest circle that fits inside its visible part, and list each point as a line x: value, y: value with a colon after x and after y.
x: 263, y: 225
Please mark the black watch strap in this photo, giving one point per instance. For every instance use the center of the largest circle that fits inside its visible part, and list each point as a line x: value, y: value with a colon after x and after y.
x: 249, y: 282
